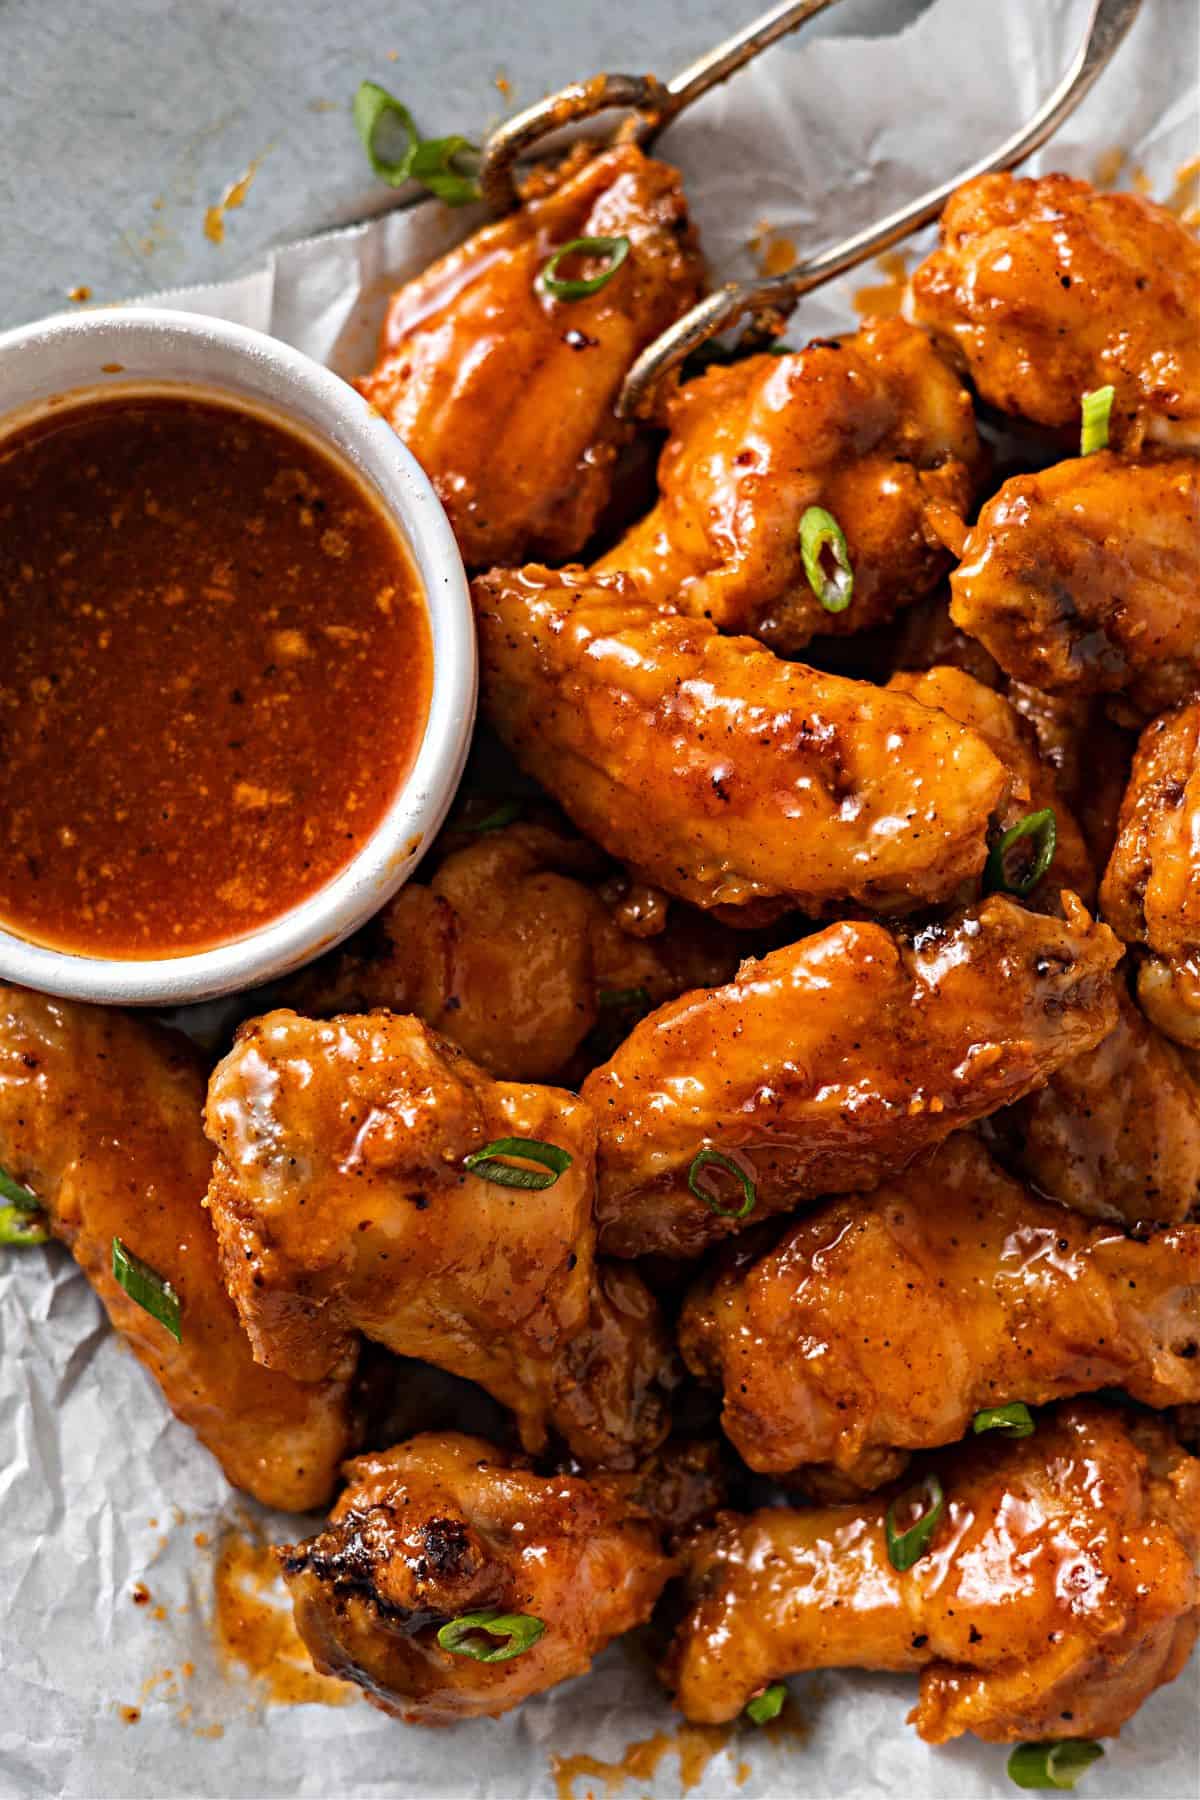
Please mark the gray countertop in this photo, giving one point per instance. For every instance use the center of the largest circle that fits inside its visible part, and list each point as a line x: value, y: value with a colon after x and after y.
x: 123, y: 121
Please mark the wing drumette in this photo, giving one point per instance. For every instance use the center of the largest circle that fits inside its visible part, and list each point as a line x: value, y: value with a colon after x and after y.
x: 1059, y: 1589
x: 1048, y: 290
x: 826, y: 1067
x: 883, y: 1323
x: 726, y: 776
x: 873, y: 427
x: 101, y: 1116
x: 505, y: 393
x: 343, y: 1204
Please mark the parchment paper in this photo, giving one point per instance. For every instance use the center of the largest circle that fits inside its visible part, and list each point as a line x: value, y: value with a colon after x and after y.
x: 100, y: 1488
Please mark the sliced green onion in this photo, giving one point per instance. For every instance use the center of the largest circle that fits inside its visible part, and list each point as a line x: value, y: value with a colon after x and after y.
x: 23, y: 1198
x: 616, y: 249
x: 383, y: 121
x: 504, y: 814
x: 519, y: 1632
x: 1052, y: 1765
x: 768, y: 1705
x: 1096, y: 409
x: 820, y: 534
x: 485, y: 1163
x: 1042, y: 828
x: 906, y: 1547
x: 634, y: 996
x: 1015, y: 1421
x: 702, y: 1160
x: 20, y: 1226
x: 152, y: 1292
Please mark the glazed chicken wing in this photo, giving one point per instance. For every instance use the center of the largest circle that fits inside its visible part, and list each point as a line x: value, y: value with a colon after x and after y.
x: 729, y: 777
x: 1060, y: 1588
x: 825, y: 1067
x: 882, y: 1323
x: 101, y: 1116
x: 343, y: 1205
x: 1083, y: 579
x: 448, y: 1528
x: 1047, y: 290
x: 504, y: 393
x: 514, y: 950
x: 1151, y: 889
x: 873, y: 427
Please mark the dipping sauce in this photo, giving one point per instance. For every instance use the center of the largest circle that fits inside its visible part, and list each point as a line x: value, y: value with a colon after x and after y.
x: 215, y: 669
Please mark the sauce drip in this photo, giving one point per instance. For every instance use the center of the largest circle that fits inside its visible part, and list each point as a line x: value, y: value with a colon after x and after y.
x: 214, y: 673
x: 253, y: 1627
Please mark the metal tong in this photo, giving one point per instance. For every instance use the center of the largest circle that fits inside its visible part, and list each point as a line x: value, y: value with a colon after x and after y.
x: 656, y: 103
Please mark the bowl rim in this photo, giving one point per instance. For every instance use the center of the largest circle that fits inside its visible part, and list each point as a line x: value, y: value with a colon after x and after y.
x: 337, y: 416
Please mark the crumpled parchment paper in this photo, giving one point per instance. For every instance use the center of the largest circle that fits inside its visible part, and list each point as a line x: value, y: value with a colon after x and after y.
x: 100, y: 1488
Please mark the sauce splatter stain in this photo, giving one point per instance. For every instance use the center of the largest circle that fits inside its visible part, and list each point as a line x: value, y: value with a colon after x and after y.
x: 140, y: 1594
x: 80, y: 294
x: 253, y: 1627
x: 502, y: 85
x: 129, y: 1714
x: 883, y: 300
x: 775, y: 255
x: 1184, y: 198
x: 1106, y: 171
x: 695, y: 1746
x: 233, y: 197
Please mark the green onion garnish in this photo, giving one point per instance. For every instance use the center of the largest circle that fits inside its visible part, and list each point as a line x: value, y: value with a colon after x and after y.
x: 907, y: 1547
x: 1052, y: 1765
x: 1041, y: 827
x: 634, y: 996
x: 145, y: 1285
x: 616, y: 249
x: 20, y: 1226
x: 768, y: 1705
x: 484, y: 1162
x: 518, y: 1630
x: 1096, y: 409
x: 23, y: 1198
x: 505, y: 814
x: 822, y: 540
x: 383, y: 121
x: 701, y: 1160
x: 1014, y: 1421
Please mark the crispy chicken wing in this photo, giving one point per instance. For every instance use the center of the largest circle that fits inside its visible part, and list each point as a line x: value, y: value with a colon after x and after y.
x: 1060, y: 1588
x: 448, y: 1527
x: 1048, y: 290
x: 882, y: 1323
x: 729, y: 777
x: 1150, y: 894
x: 827, y: 1066
x: 873, y: 427
x: 1114, y: 1133
x: 1033, y: 783
x: 1082, y: 579
x: 100, y: 1114
x: 515, y: 949
x: 342, y: 1206
x: 504, y: 393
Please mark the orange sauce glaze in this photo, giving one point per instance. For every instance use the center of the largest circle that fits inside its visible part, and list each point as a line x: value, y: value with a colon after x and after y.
x: 215, y: 669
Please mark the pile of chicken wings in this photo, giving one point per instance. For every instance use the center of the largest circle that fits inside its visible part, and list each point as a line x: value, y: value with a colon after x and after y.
x: 788, y: 1097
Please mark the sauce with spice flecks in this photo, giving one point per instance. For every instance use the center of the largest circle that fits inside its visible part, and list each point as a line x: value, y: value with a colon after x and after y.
x: 215, y: 669
x: 254, y: 1628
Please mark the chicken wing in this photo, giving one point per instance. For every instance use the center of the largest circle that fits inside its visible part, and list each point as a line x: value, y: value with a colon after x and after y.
x: 100, y: 1115
x: 1033, y: 787
x: 1150, y: 894
x: 729, y: 777
x: 1048, y: 290
x: 883, y: 1323
x: 1115, y: 1133
x: 826, y: 1067
x: 1060, y: 1588
x: 873, y: 427
x: 343, y: 1204
x: 446, y: 1535
x: 515, y: 949
x: 505, y: 393
x: 1082, y: 579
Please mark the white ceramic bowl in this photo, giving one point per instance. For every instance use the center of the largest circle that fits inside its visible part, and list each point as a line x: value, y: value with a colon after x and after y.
x: 83, y: 356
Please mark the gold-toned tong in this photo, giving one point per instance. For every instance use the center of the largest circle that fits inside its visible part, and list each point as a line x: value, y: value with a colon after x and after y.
x: 655, y: 103
x: 776, y: 295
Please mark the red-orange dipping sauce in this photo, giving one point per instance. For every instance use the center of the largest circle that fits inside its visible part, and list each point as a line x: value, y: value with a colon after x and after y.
x: 215, y: 670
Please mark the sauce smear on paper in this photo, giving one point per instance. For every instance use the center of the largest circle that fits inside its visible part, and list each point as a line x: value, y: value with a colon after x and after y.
x: 214, y: 673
